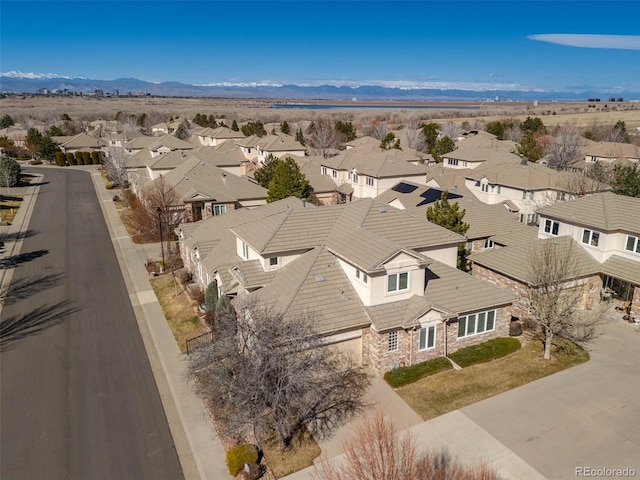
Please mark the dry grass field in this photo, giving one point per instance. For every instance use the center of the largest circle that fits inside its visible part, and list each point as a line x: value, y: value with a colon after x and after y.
x: 49, y: 109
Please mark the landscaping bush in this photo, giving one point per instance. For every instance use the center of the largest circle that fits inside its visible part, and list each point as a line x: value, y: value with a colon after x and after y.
x: 9, y: 171
x: 239, y: 455
x: 86, y: 158
x: 184, y: 276
x: 211, y: 296
x: 484, y: 352
x: 79, y: 159
x: 71, y: 159
x: 406, y: 375
x: 60, y: 159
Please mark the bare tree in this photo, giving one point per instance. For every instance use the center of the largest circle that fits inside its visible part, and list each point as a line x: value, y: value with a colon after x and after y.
x: 271, y: 374
x: 556, y: 294
x: 377, y: 452
x: 450, y: 130
x: 323, y: 136
x: 565, y: 148
x: 513, y: 133
x: 379, y: 130
x: 116, y: 162
x: 415, y: 135
x: 143, y: 217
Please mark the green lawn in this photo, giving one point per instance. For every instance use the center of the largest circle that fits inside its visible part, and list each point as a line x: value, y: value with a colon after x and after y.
x: 450, y: 390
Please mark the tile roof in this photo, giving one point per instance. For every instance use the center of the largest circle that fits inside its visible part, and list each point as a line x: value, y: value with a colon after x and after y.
x: 622, y: 268
x: 199, y: 178
x: 376, y: 162
x: 514, y: 261
x: 315, y: 282
x: 602, y: 211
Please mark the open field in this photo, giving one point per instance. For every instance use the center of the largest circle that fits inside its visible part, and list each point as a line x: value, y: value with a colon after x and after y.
x: 49, y: 109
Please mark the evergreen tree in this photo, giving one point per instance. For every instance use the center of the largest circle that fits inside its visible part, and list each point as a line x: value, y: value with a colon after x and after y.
x: 388, y: 142
x: 211, y: 297
x: 533, y: 125
x: 443, y: 145
x: 288, y: 181
x: 449, y: 216
x: 529, y: 148
x: 234, y: 126
x: 6, y: 121
x: 264, y: 174
x: 300, y: 137
x: 47, y: 149
x: 254, y: 128
x: 626, y: 180
x: 496, y: 128
x: 284, y: 128
x: 55, y: 131
x: 346, y: 131
x: 34, y: 137
x: 430, y: 132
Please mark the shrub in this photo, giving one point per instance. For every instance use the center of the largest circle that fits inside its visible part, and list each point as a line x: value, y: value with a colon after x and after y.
x: 184, y: 276
x: 35, y: 162
x: 71, y: 159
x: 79, y: 159
x: 60, y: 159
x: 95, y: 157
x: 406, y: 375
x: 211, y: 296
x: 9, y: 171
x: 484, y: 352
x: 109, y: 186
x: 239, y: 455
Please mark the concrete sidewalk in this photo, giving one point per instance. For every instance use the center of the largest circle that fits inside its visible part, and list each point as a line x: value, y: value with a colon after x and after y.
x: 201, y: 453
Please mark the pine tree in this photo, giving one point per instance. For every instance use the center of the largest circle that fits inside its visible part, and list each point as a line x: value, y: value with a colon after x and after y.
x: 234, y: 126
x: 449, y: 216
x: 288, y: 181
x: 284, y: 128
x: 264, y: 174
x: 300, y: 137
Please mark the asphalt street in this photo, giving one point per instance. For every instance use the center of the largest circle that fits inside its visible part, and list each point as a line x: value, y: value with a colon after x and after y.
x: 77, y: 396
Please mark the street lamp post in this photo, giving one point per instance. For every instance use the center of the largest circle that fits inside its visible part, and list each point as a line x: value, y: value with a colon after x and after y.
x: 161, y: 241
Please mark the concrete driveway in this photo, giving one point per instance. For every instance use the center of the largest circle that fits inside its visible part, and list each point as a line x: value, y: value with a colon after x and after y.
x: 587, y: 416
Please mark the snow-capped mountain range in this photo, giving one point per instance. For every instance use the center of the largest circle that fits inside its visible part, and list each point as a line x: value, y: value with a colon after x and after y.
x: 21, y: 82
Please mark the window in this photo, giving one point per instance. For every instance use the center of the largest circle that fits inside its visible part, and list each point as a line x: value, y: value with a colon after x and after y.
x: 219, y: 209
x: 427, y: 338
x: 323, y: 170
x: 398, y: 282
x: 274, y: 261
x: 452, y: 161
x: 633, y: 244
x: 476, y: 323
x: 551, y: 226
x: 488, y: 243
x: 334, y: 173
x: 499, y: 189
x: 532, y: 218
x: 561, y: 196
x: 370, y: 181
x: 245, y: 250
x: 484, y: 187
x: 354, y: 178
x: 531, y: 195
x: 590, y: 237
x: 392, y: 341
x: 362, y: 276
x: 524, y: 194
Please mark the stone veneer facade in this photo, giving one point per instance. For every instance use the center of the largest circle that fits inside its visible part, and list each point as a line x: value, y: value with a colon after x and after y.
x: 375, y: 346
x: 520, y: 309
x: 635, y: 301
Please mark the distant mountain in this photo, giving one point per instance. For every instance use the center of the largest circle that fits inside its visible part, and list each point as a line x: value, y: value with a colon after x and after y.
x: 18, y: 82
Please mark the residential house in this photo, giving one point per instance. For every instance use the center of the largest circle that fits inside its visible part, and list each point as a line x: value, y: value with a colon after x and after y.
x: 212, y: 137
x: 207, y: 190
x: 382, y: 281
x: 365, y: 171
x: 485, y: 221
x: 258, y: 149
x: 524, y: 187
x: 82, y: 142
x: 610, y: 152
x: 473, y: 151
x: 601, y: 230
x: 166, y: 128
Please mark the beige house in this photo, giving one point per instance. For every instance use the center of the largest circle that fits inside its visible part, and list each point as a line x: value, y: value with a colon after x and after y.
x: 523, y: 188
x: 382, y: 281
x: 604, y: 231
x: 207, y: 190
x: 258, y: 149
x: 474, y: 150
x: 365, y: 170
x: 80, y: 143
x: 212, y: 137
x: 610, y: 152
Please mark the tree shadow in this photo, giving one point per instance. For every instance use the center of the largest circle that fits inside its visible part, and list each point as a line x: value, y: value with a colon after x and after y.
x: 25, y: 287
x: 18, y: 327
x: 9, y: 198
x: 9, y: 237
x: 15, y: 260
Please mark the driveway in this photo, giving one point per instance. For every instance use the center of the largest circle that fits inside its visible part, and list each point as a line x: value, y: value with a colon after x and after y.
x: 587, y: 416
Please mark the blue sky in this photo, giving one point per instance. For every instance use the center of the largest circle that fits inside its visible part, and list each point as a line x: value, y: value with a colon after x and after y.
x: 561, y: 46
